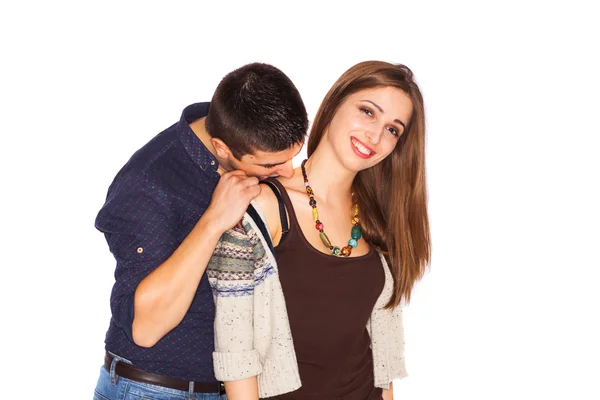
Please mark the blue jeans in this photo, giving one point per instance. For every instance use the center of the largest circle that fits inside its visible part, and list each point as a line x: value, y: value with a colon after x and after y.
x: 126, y: 389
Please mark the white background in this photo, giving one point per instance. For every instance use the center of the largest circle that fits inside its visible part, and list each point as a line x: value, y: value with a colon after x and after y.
x: 509, y: 308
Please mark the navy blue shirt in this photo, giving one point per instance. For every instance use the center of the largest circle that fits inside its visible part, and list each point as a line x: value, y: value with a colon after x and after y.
x: 152, y: 205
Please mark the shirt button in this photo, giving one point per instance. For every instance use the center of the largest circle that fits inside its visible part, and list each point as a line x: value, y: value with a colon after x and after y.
x: 212, y: 162
x: 140, y: 250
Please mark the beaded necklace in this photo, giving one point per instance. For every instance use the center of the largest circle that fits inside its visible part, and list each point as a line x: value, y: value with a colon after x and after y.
x: 355, y: 232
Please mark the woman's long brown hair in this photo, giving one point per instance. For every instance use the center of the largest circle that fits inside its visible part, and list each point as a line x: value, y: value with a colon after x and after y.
x: 392, y: 195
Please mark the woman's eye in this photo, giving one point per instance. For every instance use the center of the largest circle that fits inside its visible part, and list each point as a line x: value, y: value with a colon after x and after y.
x: 366, y: 111
x: 393, y: 131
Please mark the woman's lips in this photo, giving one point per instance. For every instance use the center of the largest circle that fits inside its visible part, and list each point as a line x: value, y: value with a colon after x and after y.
x: 361, y: 149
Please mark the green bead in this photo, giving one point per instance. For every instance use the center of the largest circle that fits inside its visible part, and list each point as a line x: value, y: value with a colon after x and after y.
x: 353, y: 243
x: 325, y: 239
x: 356, y: 232
x: 335, y: 251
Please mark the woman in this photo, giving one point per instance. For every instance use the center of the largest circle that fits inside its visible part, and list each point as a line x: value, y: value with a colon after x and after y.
x: 351, y: 236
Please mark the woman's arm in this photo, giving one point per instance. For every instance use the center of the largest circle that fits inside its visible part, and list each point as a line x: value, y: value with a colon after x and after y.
x: 386, y: 330
x: 232, y: 280
x: 245, y: 389
x: 269, y: 207
x: 233, y: 277
x: 388, y: 394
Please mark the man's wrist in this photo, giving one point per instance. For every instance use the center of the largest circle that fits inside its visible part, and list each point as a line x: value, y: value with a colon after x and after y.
x: 209, y: 225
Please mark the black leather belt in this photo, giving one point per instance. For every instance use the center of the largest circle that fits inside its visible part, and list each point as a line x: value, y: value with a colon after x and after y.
x: 135, y: 374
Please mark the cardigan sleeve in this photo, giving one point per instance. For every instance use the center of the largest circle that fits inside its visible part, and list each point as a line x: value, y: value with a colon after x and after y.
x: 252, y: 332
x: 386, y: 329
x: 232, y: 278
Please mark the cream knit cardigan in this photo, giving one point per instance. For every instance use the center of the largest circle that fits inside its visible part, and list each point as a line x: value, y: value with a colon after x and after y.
x: 252, y: 332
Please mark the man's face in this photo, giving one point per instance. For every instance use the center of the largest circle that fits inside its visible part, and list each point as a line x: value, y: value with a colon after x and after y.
x: 265, y: 164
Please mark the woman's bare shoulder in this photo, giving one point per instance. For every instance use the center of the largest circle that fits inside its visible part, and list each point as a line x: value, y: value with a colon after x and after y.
x: 269, y: 207
x: 266, y: 200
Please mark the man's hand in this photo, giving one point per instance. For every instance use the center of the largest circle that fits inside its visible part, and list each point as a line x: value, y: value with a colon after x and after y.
x: 231, y: 199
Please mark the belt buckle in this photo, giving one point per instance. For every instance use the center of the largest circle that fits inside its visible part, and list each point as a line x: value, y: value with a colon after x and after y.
x: 221, y: 388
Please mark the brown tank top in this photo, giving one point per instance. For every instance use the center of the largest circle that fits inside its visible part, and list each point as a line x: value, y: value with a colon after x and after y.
x: 329, y: 302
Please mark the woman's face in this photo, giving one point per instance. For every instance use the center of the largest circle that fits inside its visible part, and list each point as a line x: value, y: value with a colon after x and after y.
x: 367, y: 125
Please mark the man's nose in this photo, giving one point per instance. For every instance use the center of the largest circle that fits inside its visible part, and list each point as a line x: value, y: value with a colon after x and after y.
x: 286, y: 170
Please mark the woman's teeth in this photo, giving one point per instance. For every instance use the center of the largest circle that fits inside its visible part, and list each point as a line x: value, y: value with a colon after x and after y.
x: 361, y: 148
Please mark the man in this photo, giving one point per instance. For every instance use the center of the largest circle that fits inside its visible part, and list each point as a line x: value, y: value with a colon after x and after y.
x: 164, y: 214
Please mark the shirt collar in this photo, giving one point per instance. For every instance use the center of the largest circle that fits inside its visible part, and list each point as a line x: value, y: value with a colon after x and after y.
x: 192, y: 144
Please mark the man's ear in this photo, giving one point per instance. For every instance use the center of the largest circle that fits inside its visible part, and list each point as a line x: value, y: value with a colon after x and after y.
x: 221, y: 148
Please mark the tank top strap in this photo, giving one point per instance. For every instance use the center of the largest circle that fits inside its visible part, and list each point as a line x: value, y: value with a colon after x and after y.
x: 288, y: 204
x: 282, y: 214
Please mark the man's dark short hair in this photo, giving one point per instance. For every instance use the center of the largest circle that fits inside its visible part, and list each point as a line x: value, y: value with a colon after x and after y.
x: 257, y: 107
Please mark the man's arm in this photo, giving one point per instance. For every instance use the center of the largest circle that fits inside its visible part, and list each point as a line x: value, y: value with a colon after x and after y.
x: 156, y: 283
x: 163, y: 298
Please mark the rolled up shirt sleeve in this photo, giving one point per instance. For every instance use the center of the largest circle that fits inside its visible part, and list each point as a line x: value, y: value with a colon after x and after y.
x: 139, y: 231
